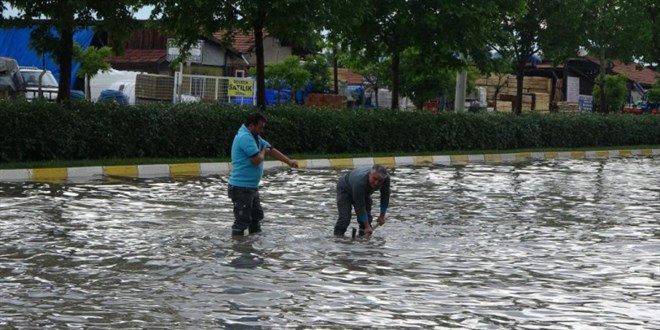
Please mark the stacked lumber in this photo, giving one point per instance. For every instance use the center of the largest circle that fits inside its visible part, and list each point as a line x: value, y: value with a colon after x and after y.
x: 540, y: 87
x: 504, y: 106
x: 567, y: 107
x: 153, y: 87
x: 542, y: 102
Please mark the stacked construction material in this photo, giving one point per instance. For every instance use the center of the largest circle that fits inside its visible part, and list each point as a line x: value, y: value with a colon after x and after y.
x: 150, y: 88
x: 536, y: 92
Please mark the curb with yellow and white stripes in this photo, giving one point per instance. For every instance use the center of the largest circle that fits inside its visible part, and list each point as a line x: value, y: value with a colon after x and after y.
x: 88, y: 173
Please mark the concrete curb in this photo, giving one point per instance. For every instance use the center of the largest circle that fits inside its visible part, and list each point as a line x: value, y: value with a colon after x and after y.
x: 84, y: 174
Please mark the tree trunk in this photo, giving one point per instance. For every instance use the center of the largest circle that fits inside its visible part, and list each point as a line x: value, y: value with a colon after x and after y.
x: 65, y: 57
x: 259, y: 50
x: 495, y: 94
x: 396, y: 61
x: 498, y: 88
x: 520, y: 78
x: 552, y: 107
x: 603, y: 98
x: 88, y: 88
x: 335, y: 69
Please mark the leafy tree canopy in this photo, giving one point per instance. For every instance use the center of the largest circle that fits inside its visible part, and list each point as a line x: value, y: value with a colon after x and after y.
x: 64, y: 17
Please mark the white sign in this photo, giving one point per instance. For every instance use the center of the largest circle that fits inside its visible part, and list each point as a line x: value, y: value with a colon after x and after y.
x: 586, y: 103
x: 195, y: 55
x: 572, y: 89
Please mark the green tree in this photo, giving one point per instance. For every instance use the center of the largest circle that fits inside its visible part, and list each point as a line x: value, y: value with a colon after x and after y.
x: 317, y: 66
x: 375, y: 71
x: 615, y: 92
x: 92, y: 60
x: 422, y: 81
x: 654, y: 93
x: 652, y: 10
x: 544, y: 27
x: 288, y: 73
x: 56, y: 21
x: 616, y: 29
x: 387, y: 28
x: 295, y: 21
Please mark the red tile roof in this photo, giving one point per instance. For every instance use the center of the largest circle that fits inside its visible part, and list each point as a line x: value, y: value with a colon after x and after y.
x: 242, y: 42
x: 644, y: 76
x: 350, y: 76
x: 139, y: 56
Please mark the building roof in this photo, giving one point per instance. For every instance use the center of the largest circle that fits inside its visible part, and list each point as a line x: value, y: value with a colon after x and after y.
x: 242, y: 42
x: 349, y: 76
x: 645, y: 76
x: 139, y: 56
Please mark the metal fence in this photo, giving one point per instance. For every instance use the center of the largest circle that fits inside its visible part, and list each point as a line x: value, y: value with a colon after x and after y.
x: 223, y: 90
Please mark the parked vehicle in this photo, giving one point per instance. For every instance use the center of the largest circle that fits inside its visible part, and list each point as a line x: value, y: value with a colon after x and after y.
x: 11, y: 82
x: 39, y: 83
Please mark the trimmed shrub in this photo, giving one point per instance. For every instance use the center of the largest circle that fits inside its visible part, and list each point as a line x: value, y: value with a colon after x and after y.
x: 42, y: 131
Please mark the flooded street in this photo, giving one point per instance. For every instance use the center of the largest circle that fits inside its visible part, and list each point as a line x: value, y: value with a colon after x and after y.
x: 551, y: 244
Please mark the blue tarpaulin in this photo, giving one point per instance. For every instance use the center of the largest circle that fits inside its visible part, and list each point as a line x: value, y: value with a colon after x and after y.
x: 113, y: 95
x: 15, y: 43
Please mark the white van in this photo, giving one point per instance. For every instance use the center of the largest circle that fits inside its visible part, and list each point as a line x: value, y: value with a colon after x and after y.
x: 39, y: 83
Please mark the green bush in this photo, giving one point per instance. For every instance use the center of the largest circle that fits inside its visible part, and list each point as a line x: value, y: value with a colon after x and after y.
x: 41, y: 131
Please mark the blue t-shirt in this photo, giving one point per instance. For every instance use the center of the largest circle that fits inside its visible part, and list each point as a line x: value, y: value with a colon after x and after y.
x: 245, y: 146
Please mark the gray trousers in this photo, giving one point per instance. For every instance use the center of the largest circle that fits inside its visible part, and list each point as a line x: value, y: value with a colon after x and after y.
x: 247, y: 210
x: 345, y: 207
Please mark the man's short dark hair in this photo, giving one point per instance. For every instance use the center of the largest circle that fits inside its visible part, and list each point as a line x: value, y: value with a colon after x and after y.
x: 254, y: 119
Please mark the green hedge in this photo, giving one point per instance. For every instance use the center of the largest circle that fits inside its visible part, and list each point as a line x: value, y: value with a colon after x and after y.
x: 42, y: 131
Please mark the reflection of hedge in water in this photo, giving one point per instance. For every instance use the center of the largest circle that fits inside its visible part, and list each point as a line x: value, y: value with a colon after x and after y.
x: 46, y: 131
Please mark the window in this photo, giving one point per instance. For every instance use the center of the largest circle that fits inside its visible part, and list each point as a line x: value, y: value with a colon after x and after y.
x: 240, y: 73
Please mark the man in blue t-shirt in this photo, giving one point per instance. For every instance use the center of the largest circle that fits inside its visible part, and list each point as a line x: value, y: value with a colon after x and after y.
x: 248, y: 152
x: 354, y: 190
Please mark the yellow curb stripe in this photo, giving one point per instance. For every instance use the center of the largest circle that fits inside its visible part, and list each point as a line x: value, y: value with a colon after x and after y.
x: 385, y: 161
x: 421, y: 160
x: 130, y: 171
x: 185, y: 169
x: 341, y: 162
x: 577, y: 154
x: 602, y: 154
x: 523, y: 155
x: 459, y: 158
x: 195, y: 169
x: 49, y: 174
x: 551, y: 154
x: 493, y: 158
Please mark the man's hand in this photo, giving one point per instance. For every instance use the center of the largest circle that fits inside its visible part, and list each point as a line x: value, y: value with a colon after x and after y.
x: 381, y: 219
x: 367, y: 229
x: 293, y: 163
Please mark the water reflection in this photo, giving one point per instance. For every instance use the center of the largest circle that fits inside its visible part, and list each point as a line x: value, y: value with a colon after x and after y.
x: 559, y: 244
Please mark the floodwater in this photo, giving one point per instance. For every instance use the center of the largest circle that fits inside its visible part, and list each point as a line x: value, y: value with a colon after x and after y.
x: 552, y: 244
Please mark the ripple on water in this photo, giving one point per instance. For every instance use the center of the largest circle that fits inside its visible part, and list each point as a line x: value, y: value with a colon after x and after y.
x: 559, y: 244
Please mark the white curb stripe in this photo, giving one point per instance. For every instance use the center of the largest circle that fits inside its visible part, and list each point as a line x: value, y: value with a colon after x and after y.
x: 81, y: 174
